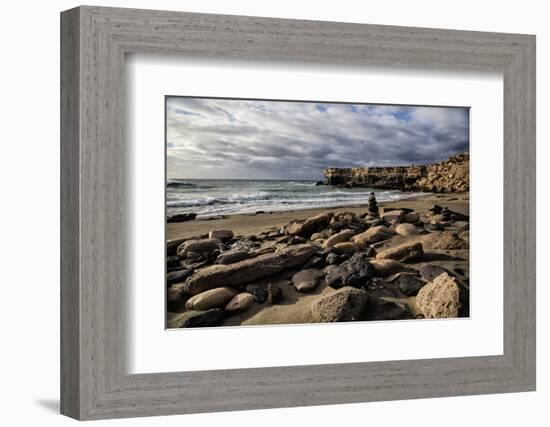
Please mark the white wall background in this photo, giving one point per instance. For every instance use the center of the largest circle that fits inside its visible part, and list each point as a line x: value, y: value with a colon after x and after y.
x: 29, y: 237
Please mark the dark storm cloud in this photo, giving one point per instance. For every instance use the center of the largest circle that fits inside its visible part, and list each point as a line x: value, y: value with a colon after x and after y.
x: 212, y: 138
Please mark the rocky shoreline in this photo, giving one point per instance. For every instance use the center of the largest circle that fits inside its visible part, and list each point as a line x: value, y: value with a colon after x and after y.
x: 368, y: 263
x: 451, y: 175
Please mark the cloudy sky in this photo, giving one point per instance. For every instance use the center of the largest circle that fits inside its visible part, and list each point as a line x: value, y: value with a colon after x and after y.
x: 215, y: 138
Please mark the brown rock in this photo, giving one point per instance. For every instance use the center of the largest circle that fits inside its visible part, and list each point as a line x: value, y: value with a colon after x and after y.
x: 310, y: 225
x: 409, y: 251
x: 387, y: 267
x: 231, y: 257
x: 198, y: 246
x: 373, y: 235
x: 342, y: 236
x: 443, y: 240
x: 411, y: 217
x: 223, y: 235
x: 213, y: 298
x: 406, y: 229
x: 440, y: 298
x: 249, y: 270
x: 240, y: 302
x: 343, y: 305
x: 347, y: 247
x: 393, y: 216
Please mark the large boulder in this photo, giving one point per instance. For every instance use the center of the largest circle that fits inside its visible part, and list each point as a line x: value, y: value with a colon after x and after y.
x: 342, y: 236
x: 394, y: 216
x: 373, y: 235
x: 409, y: 251
x: 223, y: 235
x: 440, y: 298
x: 341, y: 306
x: 212, y: 298
x: 310, y: 225
x: 198, y: 246
x: 240, y: 302
x: 249, y: 270
x: 353, y: 272
x: 307, y: 280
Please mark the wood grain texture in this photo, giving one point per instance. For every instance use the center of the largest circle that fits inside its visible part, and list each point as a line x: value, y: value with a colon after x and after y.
x: 95, y: 383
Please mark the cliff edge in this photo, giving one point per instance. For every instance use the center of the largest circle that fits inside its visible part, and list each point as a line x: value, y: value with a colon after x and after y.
x: 448, y: 176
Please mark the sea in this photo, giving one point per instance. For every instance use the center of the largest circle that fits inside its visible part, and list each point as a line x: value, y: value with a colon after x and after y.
x: 214, y: 197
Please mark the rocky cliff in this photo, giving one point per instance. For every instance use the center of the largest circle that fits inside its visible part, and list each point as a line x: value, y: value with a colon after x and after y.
x: 451, y: 175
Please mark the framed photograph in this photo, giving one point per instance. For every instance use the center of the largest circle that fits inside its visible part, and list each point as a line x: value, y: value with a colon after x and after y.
x: 305, y: 213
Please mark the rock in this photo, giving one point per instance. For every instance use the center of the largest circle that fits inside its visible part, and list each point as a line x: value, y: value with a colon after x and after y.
x: 274, y: 294
x: 410, y: 285
x: 218, y: 297
x: 223, y: 235
x: 394, y: 216
x: 353, y: 272
x: 341, y: 306
x: 231, y: 257
x: 443, y: 240
x: 373, y: 235
x: 297, y: 240
x: 198, y: 246
x: 181, y: 217
x: 262, y: 251
x: 240, y: 302
x: 310, y: 225
x: 172, y: 246
x: 173, y: 261
x: 249, y: 270
x: 409, y: 251
x: 464, y: 235
x: 307, y: 280
x: 332, y: 258
x: 411, y: 217
x: 387, y: 267
x: 347, y: 247
x: 319, y: 183
x: 315, y: 262
x: 406, y: 229
x: 430, y: 271
x: 440, y: 298
x: 201, y: 319
x: 178, y: 276
x: 258, y: 292
x: 379, y: 309
x: 342, y: 236
x: 174, y: 298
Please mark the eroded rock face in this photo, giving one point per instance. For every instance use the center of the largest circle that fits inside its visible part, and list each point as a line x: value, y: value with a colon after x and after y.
x: 409, y: 251
x: 451, y: 175
x: 341, y: 306
x: 212, y: 298
x: 352, y: 272
x: 249, y: 270
x: 440, y: 298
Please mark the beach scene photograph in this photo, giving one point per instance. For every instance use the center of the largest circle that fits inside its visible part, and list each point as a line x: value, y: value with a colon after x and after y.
x: 286, y: 212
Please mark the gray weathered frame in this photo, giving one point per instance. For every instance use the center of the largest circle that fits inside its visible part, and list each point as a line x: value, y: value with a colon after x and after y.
x: 94, y: 41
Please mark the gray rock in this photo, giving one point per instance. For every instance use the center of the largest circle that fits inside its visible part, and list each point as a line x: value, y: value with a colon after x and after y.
x: 341, y: 306
x: 249, y: 270
x: 201, y: 319
x: 373, y: 235
x: 199, y: 246
x: 430, y: 272
x: 307, y: 280
x: 353, y: 272
x: 178, y: 276
x: 181, y: 217
x: 410, y: 285
x: 342, y: 236
x: 223, y: 235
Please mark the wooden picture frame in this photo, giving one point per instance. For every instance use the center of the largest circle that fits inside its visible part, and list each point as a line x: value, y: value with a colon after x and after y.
x: 94, y: 382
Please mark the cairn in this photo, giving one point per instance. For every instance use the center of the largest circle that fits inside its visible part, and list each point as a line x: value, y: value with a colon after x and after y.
x: 372, y: 209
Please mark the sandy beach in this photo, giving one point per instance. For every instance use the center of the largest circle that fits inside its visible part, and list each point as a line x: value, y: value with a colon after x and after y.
x: 391, y: 292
